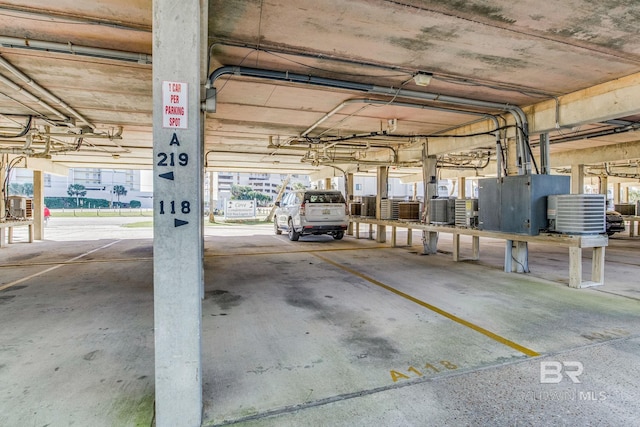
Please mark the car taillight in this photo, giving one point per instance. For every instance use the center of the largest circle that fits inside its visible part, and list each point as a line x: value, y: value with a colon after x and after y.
x: 302, y: 208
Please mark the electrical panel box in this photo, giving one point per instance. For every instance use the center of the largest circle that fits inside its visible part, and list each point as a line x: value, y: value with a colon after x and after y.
x: 521, y: 201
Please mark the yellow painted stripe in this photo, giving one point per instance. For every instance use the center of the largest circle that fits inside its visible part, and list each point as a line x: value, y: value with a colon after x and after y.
x: 435, y: 309
x: 92, y: 261
x: 332, y: 249
x: 24, y: 279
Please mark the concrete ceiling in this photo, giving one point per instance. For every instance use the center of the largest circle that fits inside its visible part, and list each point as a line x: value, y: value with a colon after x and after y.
x: 571, y: 65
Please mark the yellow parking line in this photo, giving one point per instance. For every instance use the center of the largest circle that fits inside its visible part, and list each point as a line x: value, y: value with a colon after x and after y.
x: 332, y: 249
x: 435, y: 309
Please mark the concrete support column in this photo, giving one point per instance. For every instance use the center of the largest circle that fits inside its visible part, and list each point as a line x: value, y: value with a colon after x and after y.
x: 603, y: 187
x: 4, y: 161
x: 512, y: 157
x: 382, y: 193
x: 462, y: 187
x: 349, y: 189
x: 179, y: 71
x: 616, y: 192
x: 625, y: 196
x: 38, y: 204
x: 430, y: 176
x: 327, y: 183
x: 577, y: 179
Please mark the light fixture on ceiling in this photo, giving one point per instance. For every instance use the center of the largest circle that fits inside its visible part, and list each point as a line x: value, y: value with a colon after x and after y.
x: 423, y: 79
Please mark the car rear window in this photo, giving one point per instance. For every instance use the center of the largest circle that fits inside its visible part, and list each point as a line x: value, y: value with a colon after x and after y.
x: 324, y: 198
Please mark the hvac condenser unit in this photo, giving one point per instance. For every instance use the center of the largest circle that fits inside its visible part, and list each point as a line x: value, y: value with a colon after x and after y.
x: 368, y: 207
x: 18, y: 207
x: 467, y: 213
x: 442, y: 211
x: 409, y: 211
x: 390, y: 208
x: 577, y: 213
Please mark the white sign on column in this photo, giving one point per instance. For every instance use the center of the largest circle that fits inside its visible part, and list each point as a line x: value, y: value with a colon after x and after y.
x: 174, y: 105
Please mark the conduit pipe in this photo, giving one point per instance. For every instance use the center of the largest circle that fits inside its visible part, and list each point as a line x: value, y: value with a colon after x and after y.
x: 15, y: 42
x: 32, y: 97
x: 397, y: 104
x: 514, y: 110
x: 517, y: 113
x: 6, y: 64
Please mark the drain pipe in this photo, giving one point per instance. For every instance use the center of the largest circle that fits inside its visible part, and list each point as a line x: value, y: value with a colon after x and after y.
x: 22, y: 76
x: 522, y: 134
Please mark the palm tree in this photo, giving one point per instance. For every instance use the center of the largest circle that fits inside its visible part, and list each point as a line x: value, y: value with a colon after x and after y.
x: 119, y: 190
x: 77, y: 191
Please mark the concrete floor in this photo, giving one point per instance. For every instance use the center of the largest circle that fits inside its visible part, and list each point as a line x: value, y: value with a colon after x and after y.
x: 318, y: 332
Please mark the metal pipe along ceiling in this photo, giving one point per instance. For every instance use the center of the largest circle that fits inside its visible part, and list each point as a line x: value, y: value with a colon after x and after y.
x: 397, y: 104
x: 120, y: 55
x: 517, y: 113
x: 514, y: 110
x: 22, y: 76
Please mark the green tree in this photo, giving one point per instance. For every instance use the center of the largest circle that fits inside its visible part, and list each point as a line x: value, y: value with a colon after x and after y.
x: 77, y: 191
x: 119, y: 190
x: 135, y: 204
x: 244, y: 192
x: 16, y: 189
x: 241, y: 192
x: 27, y: 189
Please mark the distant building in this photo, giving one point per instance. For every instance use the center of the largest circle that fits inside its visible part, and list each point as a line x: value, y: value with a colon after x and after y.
x: 264, y: 183
x: 98, y: 183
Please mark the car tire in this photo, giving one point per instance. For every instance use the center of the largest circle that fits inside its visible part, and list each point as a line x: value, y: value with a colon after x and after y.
x: 276, y: 228
x: 293, y: 234
x: 338, y: 235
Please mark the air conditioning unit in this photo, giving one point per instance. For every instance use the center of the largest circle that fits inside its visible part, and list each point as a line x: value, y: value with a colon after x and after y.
x: 409, y: 211
x: 390, y: 208
x: 577, y: 213
x: 442, y: 211
x: 17, y: 207
x: 368, y: 209
x: 467, y: 213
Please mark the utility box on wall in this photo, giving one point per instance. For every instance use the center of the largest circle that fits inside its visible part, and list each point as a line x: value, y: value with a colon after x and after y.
x: 518, y: 204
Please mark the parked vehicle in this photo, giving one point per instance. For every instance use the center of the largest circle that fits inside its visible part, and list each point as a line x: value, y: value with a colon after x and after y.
x: 615, y: 222
x: 304, y: 212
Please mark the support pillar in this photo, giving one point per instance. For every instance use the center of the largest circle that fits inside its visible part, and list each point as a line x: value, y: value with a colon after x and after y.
x: 349, y: 189
x: 4, y: 162
x: 462, y: 187
x: 616, y: 192
x: 577, y: 179
x: 38, y: 204
x: 382, y: 193
x: 179, y: 71
x: 328, y: 184
x: 516, y: 257
x: 604, y: 188
x: 429, y: 173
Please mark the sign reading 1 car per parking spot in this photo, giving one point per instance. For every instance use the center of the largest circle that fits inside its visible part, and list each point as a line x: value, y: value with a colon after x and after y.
x: 174, y: 105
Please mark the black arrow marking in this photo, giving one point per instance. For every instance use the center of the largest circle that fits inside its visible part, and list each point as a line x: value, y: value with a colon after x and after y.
x: 179, y: 222
x: 168, y: 175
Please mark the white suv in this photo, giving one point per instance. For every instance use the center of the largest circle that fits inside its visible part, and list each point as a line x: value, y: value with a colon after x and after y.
x: 312, y: 212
